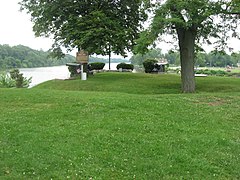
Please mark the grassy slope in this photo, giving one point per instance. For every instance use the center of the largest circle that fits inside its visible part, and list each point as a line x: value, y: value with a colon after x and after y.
x: 121, y: 126
x: 142, y: 84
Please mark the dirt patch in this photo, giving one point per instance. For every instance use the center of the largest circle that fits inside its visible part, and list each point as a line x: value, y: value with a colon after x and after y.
x: 214, y: 101
x: 218, y: 102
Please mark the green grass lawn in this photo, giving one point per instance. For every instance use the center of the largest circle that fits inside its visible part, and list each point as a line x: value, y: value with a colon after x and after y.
x: 121, y: 126
x: 141, y: 83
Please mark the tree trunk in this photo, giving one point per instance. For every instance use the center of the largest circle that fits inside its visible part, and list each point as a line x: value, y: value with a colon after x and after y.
x: 186, y: 44
x: 109, y: 56
x: 109, y: 60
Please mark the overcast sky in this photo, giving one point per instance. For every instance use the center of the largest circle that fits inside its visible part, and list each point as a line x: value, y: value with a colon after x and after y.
x: 16, y: 28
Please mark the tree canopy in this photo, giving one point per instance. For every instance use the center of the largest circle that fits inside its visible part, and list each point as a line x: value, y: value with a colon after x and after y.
x: 98, y: 26
x: 192, y: 22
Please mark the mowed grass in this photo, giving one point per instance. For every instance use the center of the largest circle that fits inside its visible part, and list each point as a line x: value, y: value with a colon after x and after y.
x: 141, y: 83
x: 121, y: 126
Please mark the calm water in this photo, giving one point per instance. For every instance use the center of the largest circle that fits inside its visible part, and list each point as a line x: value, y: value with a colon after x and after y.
x: 43, y: 74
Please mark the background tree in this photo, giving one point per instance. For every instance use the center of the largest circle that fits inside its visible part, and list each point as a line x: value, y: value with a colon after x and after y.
x: 173, y: 57
x: 99, y: 26
x: 22, y: 57
x: 151, y: 54
x: 235, y: 58
x: 192, y: 22
x: 202, y: 59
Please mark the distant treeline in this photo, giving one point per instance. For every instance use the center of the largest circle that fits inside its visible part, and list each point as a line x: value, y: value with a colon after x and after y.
x: 24, y: 57
x: 103, y: 60
x: 212, y: 59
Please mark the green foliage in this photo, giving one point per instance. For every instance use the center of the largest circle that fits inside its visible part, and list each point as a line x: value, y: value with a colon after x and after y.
x: 25, y: 57
x: 15, y: 79
x: 125, y: 66
x: 96, y: 66
x: 234, y: 74
x: 212, y: 59
x: 217, y: 59
x: 20, y: 81
x: 6, y: 81
x: 219, y: 72
x: 192, y: 22
x: 212, y: 72
x: 73, y: 71
x: 149, y: 65
x: 174, y: 16
x: 99, y: 27
x: 151, y: 54
x: 103, y: 60
x: 173, y: 57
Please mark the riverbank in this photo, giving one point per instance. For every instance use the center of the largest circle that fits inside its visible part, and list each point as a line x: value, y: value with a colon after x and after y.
x: 43, y: 74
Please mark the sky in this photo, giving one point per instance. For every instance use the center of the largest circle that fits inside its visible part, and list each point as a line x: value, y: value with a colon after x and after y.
x: 16, y: 28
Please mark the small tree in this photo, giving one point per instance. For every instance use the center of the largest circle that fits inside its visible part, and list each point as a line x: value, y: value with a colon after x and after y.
x: 20, y: 81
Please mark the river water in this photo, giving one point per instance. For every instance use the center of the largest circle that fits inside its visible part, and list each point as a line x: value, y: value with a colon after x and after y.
x: 43, y: 74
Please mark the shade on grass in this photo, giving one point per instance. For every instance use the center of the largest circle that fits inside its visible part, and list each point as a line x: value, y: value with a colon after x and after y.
x: 143, y: 129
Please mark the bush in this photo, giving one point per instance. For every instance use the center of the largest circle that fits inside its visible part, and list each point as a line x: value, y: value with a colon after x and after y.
x: 220, y: 73
x: 208, y: 72
x: 233, y: 74
x: 125, y: 66
x: 73, y: 71
x: 6, y: 81
x: 19, y: 79
x: 74, y: 67
x: 149, y: 65
x: 96, y: 66
x: 15, y: 79
x: 211, y: 72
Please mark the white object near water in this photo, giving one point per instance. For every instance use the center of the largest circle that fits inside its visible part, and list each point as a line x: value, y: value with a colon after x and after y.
x: 84, y: 76
x: 200, y: 75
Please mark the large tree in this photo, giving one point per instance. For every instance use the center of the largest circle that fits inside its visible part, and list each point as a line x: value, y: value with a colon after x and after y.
x: 192, y: 22
x: 98, y: 26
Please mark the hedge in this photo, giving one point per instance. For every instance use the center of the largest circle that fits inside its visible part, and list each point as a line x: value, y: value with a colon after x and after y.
x: 96, y: 66
x: 125, y: 66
